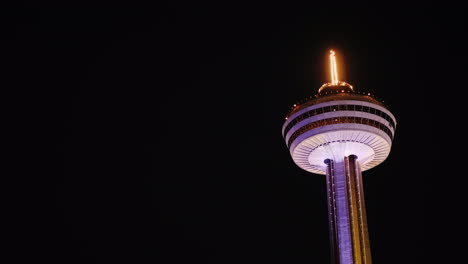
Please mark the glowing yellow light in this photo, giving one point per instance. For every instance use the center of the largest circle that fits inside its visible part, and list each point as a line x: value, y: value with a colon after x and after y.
x: 333, y: 70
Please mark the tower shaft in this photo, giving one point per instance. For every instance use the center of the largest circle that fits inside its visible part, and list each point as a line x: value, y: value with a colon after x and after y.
x: 349, y: 237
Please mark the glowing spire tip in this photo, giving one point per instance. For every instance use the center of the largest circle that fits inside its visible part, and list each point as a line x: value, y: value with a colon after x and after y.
x: 333, y: 68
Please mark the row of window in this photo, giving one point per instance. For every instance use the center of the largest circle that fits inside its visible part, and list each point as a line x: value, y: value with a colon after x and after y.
x: 337, y: 120
x: 338, y: 97
x: 359, y: 108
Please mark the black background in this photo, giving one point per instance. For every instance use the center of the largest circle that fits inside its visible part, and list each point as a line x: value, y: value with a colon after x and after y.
x: 165, y: 122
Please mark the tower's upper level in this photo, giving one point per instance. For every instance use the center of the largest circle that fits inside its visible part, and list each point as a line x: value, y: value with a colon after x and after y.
x: 335, y: 90
x: 335, y: 93
x: 338, y: 119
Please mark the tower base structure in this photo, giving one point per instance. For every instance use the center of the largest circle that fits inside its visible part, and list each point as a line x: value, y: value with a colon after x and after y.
x: 349, y: 239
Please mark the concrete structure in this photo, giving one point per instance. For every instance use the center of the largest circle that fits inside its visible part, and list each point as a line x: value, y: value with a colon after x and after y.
x: 340, y: 132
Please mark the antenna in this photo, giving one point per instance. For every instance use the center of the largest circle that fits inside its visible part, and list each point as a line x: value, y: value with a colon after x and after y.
x: 334, y: 82
x: 333, y: 70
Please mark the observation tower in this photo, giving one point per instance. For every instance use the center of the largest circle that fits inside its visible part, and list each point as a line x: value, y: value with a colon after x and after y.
x: 340, y: 132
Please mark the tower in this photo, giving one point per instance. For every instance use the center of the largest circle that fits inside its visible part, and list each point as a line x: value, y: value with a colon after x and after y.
x: 340, y: 132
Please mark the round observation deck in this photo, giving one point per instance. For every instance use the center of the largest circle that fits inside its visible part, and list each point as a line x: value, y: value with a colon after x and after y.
x: 339, y: 121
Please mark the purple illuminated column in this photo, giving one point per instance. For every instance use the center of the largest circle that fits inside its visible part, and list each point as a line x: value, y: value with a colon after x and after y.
x: 349, y: 242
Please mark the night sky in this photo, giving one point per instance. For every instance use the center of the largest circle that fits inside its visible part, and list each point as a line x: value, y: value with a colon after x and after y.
x: 166, y: 127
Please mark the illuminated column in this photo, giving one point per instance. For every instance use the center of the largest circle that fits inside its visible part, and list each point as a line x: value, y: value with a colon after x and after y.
x: 349, y: 241
x: 332, y: 219
x: 358, y: 207
x: 333, y: 68
x: 342, y: 227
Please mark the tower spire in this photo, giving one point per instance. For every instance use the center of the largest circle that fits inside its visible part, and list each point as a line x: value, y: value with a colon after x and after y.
x: 333, y: 68
x: 335, y: 82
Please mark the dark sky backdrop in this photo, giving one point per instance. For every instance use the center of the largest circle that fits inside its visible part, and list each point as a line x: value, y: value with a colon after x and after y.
x: 166, y: 122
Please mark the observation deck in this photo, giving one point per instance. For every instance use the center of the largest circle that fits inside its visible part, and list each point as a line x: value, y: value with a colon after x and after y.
x: 338, y: 117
